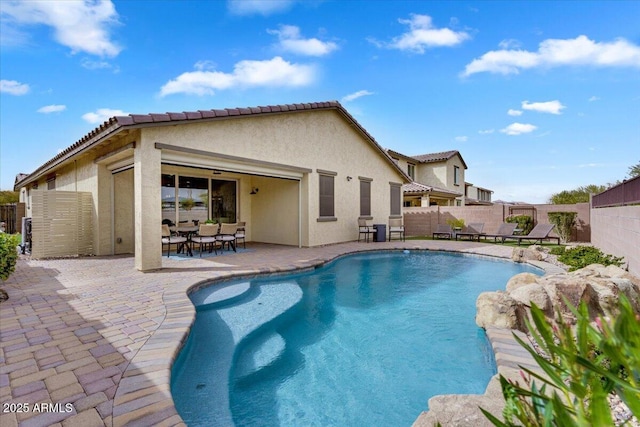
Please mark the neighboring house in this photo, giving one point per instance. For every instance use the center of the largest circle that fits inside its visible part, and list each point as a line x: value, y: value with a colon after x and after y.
x: 438, y: 178
x: 298, y: 174
x: 477, y: 195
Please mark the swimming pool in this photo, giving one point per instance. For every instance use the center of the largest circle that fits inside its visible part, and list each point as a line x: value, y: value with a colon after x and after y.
x: 364, y: 340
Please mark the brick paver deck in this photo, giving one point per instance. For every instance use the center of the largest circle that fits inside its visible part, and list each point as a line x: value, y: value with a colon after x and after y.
x: 91, y: 341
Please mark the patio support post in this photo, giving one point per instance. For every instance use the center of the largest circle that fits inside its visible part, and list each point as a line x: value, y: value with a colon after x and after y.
x: 147, y: 205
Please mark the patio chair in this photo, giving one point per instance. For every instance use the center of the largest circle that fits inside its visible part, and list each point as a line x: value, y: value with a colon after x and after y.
x: 227, y: 235
x: 472, y: 231
x: 505, y: 230
x: 207, y: 237
x: 443, y: 231
x: 169, y: 239
x: 396, y: 227
x: 539, y: 233
x: 365, y: 227
x: 240, y: 234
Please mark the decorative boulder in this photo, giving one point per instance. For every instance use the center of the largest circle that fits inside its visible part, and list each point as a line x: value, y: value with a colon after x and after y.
x: 535, y: 293
x: 497, y: 309
x: 521, y: 279
x: 534, y: 253
x: 597, y: 286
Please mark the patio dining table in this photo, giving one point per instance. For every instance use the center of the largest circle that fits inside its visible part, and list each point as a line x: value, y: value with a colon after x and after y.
x: 187, y: 231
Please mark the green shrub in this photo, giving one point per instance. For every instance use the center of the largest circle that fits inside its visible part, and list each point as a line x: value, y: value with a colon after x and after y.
x: 525, y: 222
x: 581, y: 256
x: 584, y: 365
x: 8, y: 254
x: 564, y: 222
x: 456, y: 223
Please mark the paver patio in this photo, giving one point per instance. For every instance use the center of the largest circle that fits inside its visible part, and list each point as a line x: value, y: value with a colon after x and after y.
x: 95, y: 338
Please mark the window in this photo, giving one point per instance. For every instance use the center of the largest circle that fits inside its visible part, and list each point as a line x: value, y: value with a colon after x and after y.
x: 396, y: 199
x: 411, y: 171
x: 456, y: 175
x: 51, y: 183
x: 327, y: 195
x: 365, y: 197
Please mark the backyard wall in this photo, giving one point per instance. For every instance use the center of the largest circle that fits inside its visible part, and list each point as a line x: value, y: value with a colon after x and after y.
x: 616, y: 231
x: 421, y: 221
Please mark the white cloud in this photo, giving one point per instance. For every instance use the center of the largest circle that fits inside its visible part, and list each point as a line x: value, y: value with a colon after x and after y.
x: 291, y: 41
x: 356, y: 95
x: 518, y: 128
x: 557, y: 52
x: 204, y: 65
x: 486, y: 131
x: 510, y: 44
x: 90, y: 64
x: 513, y: 112
x: 82, y: 26
x: 594, y: 98
x: 461, y: 138
x: 274, y: 72
x: 52, y: 109
x: 13, y: 87
x: 551, y: 107
x: 102, y: 114
x: 261, y: 7
x: 423, y: 35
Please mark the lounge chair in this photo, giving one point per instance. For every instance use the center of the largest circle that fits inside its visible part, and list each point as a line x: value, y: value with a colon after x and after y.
x: 472, y: 231
x: 442, y: 231
x: 170, y: 239
x: 207, y: 237
x: 396, y: 227
x: 364, y: 227
x: 505, y: 230
x: 539, y: 233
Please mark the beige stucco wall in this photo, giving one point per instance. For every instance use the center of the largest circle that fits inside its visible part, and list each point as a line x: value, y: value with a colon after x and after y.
x: 616, y: 231
x: 123, y: 212
x: 274, y: 208
x: 315, y: 140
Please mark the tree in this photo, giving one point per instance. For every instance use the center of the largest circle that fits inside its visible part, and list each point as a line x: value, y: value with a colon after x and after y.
x: 9, y: 197
x: 579, y: 195
x: 634, y: 170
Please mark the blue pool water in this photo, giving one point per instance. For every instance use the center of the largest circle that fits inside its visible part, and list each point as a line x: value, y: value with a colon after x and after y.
x: 365, y: 340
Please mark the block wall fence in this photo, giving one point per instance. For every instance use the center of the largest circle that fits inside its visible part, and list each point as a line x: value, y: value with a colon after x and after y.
x: 421, y: 221
x: 616, y: 231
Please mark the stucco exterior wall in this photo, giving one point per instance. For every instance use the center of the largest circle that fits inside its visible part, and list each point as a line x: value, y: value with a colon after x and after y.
x: 123, y: 212
x: 314, y: 140
x: 274, y: 211
x: 616, y: 231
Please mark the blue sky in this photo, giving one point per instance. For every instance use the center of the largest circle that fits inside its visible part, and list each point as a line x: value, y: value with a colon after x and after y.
x: 539, y: 97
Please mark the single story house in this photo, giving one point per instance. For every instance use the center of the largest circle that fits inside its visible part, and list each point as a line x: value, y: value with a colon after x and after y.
x: 297, y: 174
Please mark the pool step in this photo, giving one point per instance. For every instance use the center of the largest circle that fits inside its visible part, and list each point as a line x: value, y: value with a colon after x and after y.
x: 221, y: 295
x: 260, y: 354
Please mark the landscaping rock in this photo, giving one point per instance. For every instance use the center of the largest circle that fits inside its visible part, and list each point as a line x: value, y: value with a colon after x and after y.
x: 521, y: 279
x: 599, y: 287
x: 497, y: 309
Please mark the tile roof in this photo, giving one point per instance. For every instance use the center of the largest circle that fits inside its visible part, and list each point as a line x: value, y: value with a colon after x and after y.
x: 430, y: 157
x: 416, y: 187
x: 115, y: 124
x: 436, y: 157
